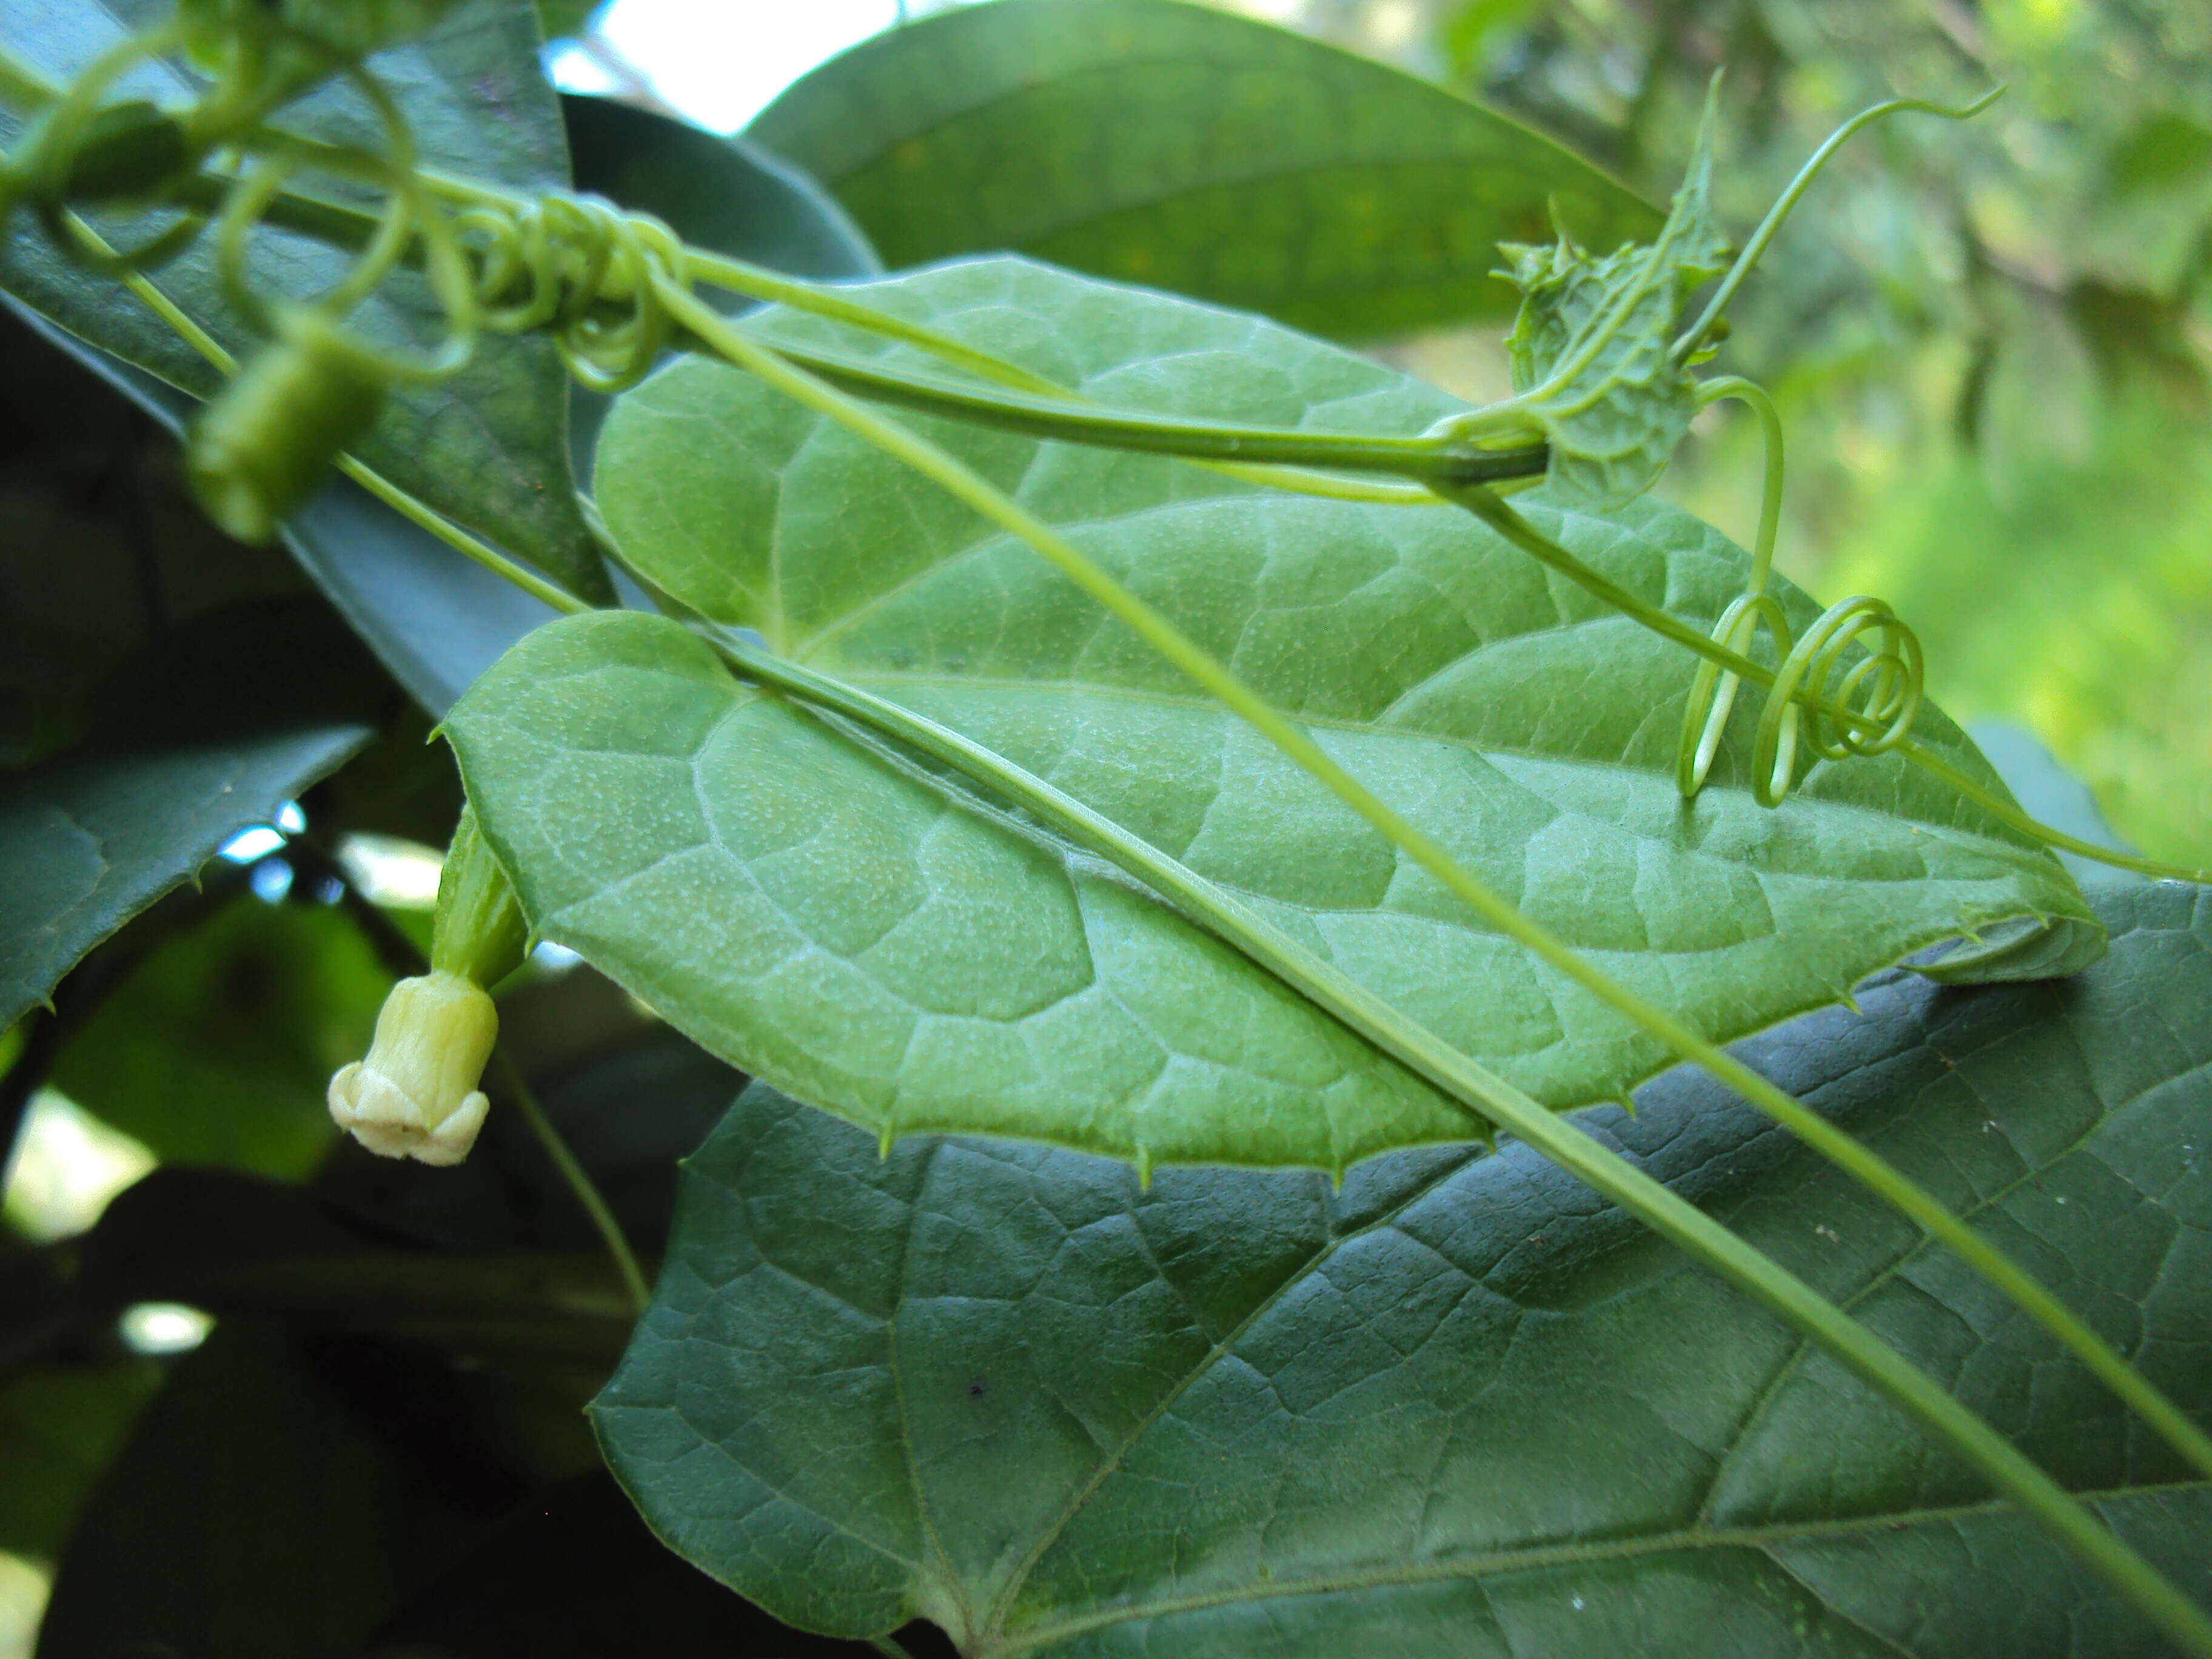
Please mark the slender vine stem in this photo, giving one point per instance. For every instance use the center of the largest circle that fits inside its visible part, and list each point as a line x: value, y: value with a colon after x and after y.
x: 1488, y: 506
x: 1754, y: 396
x: 577, y: 1179
x: 1686, y: 342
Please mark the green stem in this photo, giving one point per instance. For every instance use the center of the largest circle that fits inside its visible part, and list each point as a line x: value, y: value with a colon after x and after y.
x: 1752, y: 393
x: 1486, y: 505
x: 578, y: 1179
x: 1686, y: 342
x: 1421, y: 458
x: 1557, y: 1139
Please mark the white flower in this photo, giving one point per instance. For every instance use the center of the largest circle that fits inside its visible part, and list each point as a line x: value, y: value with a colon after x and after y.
x: 415, y: 1096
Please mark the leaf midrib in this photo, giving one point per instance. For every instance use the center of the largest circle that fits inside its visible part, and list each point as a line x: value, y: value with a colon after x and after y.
x: 1108, y: 1466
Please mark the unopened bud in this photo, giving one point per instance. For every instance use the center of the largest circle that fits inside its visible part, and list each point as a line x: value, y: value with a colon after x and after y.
x: 415, y: 1096
x: 269, y: 438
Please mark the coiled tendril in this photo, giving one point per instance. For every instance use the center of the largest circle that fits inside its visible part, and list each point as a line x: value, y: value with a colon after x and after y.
x: 583, y: 269
x: 1862, y: 705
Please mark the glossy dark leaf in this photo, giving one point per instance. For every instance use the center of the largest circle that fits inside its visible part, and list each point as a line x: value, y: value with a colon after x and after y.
x: 104, y: 551
x: 1458, y: 1408
x: 1188, y: 149
x: 434, y: 620
x: 226, y: 721
x: 244, y: 1247
x: 489, y: 449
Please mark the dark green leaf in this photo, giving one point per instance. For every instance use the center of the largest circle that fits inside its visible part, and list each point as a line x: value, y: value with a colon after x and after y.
x: 252, y: 1515
x: 227, y: 720
x: 488, y: 449
x: 59, y: 1426
x: 246, y: 1247
x: 435, y: 620
x: 104, y: 551
x: 1191, y: 150
x: 1458, y: 1408
x: 219, y: 1047
x: 575, y: 1575
x: 727, y: 195
x: 561, y: 17
x: 881, y: 944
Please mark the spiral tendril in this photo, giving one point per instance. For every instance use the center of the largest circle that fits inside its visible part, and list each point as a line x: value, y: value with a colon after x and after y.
x: 565, y: 261
x: 1821, y: 697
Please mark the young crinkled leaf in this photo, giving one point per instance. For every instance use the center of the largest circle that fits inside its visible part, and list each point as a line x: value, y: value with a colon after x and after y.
x: 883, y: 942
x: 1458, y: 1409
x: 1590, y: 350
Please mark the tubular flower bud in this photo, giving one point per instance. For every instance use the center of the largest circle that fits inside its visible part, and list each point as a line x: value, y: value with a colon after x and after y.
x: 268, y: 439
x: 415, y: 1096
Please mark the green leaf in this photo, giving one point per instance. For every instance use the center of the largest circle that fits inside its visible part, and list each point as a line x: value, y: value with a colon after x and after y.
x: 558, y: 18
x: 1458, y: 1407
x: 219, y: 1047
x: 433, y: 618
x: 59, y: 1426
x: 575, y: 1575
x: 489, y: 449
x: 104, y: 549
x: 254, y: 1515
x: 1191, y: 150
x: 228, y: 720
x: 248, y: 1247
x: 877, y: 942
x: 1591, y: 349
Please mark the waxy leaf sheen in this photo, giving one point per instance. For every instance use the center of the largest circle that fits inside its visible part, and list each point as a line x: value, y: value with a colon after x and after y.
x: 882, y: 942
x: 1459, y: 1408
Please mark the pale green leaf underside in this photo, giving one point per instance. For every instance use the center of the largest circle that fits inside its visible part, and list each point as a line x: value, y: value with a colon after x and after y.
x: 1456, y: 1410
x: 862, y: 938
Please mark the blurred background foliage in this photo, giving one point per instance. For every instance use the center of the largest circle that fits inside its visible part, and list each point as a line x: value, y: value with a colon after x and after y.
x: 1991, y: 342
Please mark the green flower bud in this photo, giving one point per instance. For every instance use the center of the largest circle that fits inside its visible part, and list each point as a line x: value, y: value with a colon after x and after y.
x: 270, y: 437
x: 415, y: 1096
